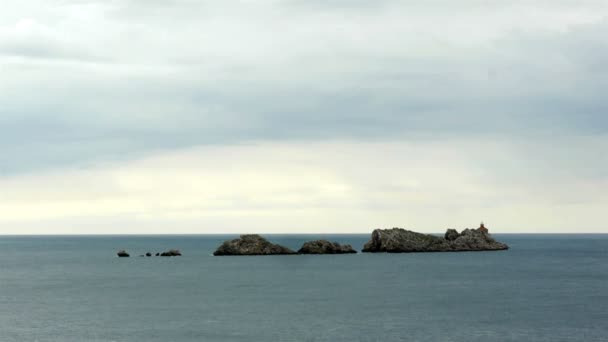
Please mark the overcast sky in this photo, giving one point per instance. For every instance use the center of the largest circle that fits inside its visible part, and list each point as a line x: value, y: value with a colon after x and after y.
x: 193, y: 116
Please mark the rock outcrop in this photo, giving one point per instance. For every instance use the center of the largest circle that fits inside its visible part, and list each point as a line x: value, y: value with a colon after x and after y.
x: 398, y: 240
x: 325, y: 247
x: 451, y: 234
x: 123, y: 254
x: 251, y: 245
x: 171, y: 252
x: 477, y: 240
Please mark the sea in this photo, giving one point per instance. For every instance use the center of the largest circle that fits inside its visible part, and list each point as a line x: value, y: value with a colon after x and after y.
x: 75, y: 289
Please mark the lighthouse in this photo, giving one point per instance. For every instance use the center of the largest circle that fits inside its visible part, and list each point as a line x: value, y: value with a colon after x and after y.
x: 482, y: 228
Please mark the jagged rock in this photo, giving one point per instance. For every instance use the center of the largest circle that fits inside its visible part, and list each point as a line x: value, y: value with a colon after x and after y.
x: 148, y: 254
x: 325, y: 247
x: 170, y: 253
x: 451, y: 234
x: 398, y: 240
x: 251, y: 245
x: 123, y: 254
x: 477, y: 240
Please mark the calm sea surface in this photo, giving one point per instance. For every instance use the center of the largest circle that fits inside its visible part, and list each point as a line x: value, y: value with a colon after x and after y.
x: 545, y: 288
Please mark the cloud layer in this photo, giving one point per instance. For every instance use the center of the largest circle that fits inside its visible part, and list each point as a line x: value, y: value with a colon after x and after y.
x: 90, y: 84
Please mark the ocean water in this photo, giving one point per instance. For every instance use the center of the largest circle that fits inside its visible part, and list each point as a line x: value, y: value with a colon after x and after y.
x: 71, y: 288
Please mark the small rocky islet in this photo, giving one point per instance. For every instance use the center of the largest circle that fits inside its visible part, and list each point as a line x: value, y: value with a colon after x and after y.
x: 251, y: 244
x: 325, y: 247
x: 169, y: 253
x: 395, y: 240
x: 398, y: 240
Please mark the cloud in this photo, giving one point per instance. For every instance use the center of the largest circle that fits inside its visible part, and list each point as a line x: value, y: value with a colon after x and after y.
x: 85, y: 83
x: 29, y: 39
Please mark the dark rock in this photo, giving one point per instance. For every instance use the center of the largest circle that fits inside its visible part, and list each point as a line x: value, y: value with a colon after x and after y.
x: 251, y: 245
x: 148, y: 254
x: 123, y: 254
x: 170, y: 253
x: 325, y: 247
x: 451, y: 234
x: 157, y: 254
x: 398, y: 240
x: 477, y: 240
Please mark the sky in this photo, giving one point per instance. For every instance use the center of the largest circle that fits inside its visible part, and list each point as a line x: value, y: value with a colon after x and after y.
x: 302, y: 116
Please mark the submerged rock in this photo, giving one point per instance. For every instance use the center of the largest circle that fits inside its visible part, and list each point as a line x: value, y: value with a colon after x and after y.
x: 123, y: 254
x: 251, y: 245
x: 170, y: 253
x: 148, y: 254
x: 325, y: 247
x: 398, y: 240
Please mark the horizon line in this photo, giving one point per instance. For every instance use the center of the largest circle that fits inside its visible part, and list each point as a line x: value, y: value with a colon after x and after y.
x: 291, y: 233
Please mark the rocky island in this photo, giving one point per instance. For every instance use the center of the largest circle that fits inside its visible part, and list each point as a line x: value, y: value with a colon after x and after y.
x: 251, y: 245
x: 398, y: 240
x: 170, y: 253
x: 325, y: 247
x: 122, y: 254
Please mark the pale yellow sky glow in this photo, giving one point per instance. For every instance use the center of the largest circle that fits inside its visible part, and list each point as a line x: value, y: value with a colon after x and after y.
x: 331, y: 187
x: 302, y: 116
